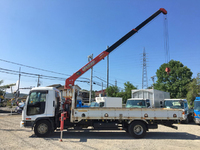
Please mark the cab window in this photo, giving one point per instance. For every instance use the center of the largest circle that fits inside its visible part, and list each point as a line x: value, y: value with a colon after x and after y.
x: 36, y: 102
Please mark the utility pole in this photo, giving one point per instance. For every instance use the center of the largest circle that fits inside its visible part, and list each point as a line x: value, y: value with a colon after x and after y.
x: 90, y: 57
x: 38, y: 83
x: 102, y: 90
x: 107, y: 69
x: 19, y: 82
x: 115, y: 82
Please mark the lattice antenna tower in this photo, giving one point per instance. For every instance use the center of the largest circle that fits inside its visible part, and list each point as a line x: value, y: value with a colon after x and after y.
x: 144, y: 71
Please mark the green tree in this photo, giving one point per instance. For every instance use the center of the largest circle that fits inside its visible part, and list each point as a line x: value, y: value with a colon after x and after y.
x: 176, y: 81
x: 112, y: 91
x: 193, y: 89
x: 126, y: 93
x: 123, y: 95
x: 150, y: 87
x: 128, y: 87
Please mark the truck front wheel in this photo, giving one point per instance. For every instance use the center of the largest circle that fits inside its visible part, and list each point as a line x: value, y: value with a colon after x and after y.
x: 42, y: 128
x: 137, y: 129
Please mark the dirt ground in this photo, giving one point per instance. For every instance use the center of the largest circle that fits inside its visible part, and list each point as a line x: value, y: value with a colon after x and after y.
x: 13, y: 137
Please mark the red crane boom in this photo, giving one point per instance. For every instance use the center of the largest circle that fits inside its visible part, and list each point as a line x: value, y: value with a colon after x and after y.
x: 70, y: 81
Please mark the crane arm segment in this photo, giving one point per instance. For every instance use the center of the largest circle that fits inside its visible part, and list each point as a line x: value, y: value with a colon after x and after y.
x: 70, y: 81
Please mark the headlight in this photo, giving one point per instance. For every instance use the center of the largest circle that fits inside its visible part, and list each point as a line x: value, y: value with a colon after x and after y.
x: 21, y: 124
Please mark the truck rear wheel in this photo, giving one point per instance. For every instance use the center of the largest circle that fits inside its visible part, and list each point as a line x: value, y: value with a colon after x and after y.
x: 42, y: 128
x: 137, y: 129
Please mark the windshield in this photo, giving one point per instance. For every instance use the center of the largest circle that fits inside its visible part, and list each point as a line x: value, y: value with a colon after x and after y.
x: 94, y: 104
x: 35, y: 97
x: 197, y: 105
x: 174, y: 104
x: 135, y: 104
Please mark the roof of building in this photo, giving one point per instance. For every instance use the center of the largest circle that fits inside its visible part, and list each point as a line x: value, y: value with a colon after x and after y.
x: 100, y: 91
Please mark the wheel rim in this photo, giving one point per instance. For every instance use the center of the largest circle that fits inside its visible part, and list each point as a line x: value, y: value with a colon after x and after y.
x: 138, y: 129
x: 42, y: 128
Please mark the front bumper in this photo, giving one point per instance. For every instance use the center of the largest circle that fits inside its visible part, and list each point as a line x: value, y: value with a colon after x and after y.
x: 27, y: 124
x: 197, y: 120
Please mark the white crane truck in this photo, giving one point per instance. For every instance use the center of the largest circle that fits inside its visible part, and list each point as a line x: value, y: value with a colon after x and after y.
x: 45, y: 111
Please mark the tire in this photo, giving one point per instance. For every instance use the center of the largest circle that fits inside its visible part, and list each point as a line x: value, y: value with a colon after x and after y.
x: 42, y: 128
x: 137, y: 129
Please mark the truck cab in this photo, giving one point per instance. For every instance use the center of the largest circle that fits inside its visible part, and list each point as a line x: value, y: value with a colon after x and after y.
x: 137, y: 103
x: 197, y: 110
x: 178, y: 104
x: 42, y: 103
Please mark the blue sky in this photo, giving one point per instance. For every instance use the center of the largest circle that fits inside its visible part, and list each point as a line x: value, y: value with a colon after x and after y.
x: 59, y: 35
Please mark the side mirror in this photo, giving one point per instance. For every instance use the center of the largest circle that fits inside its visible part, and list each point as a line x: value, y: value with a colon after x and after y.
x: 161, y: 102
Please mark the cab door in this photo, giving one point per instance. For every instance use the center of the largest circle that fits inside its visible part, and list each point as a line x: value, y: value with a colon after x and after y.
x: 36, y: 103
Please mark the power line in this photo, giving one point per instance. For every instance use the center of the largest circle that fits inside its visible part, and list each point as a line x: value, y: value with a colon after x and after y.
x: 106, y: 82
x: 37, y: 68
x: 48, y: 71
x: 33, y: 75
x: 17, y: 74
x: 32, y: 67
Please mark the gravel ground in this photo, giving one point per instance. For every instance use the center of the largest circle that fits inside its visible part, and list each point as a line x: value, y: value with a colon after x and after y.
x: 14, y: 137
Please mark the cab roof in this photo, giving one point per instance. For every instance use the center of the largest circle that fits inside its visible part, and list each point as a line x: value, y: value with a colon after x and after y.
x: 45, y: 88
